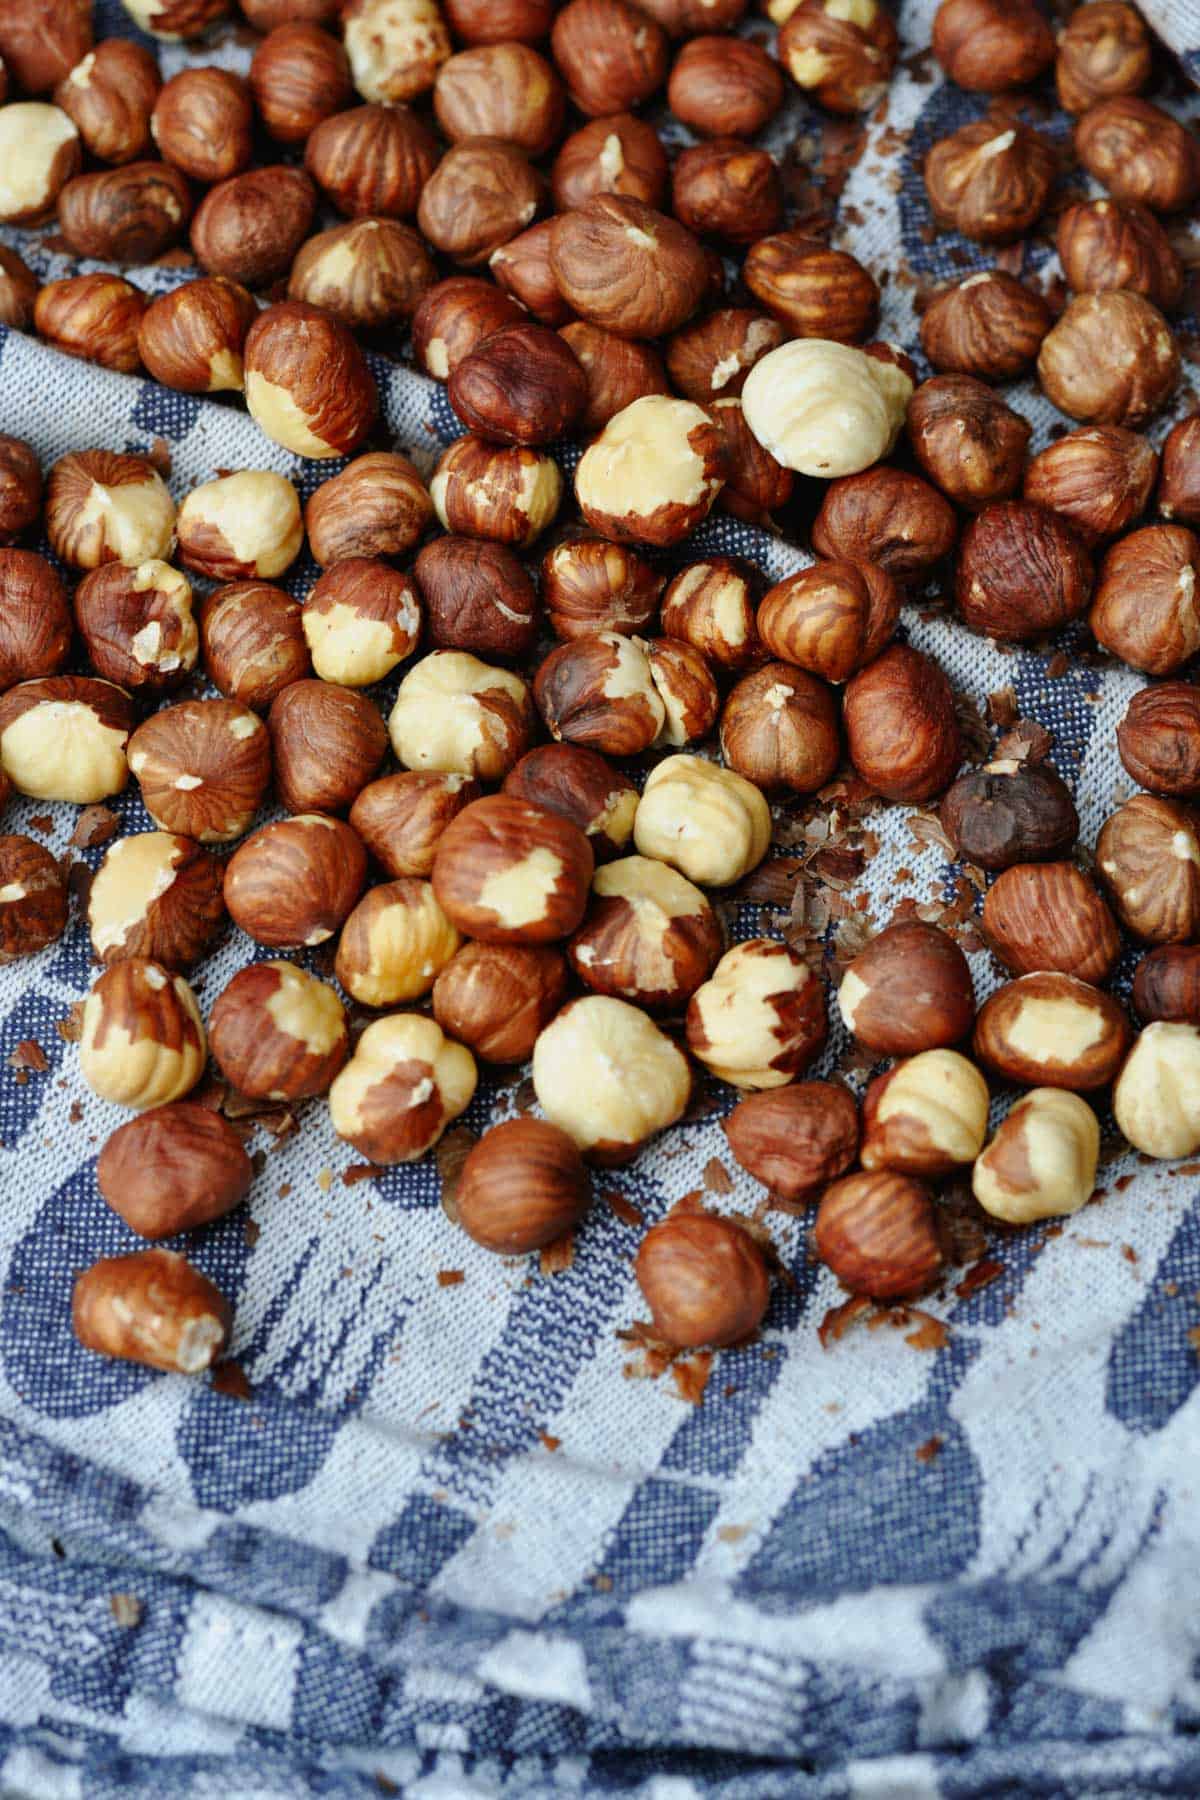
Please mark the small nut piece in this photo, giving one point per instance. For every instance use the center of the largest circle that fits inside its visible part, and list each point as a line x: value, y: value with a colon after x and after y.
x: 1111, y: 358
x: 825, y: 408
x: 360, y: 619
x: 307, y: 382
x: 1104, y: 49
x: 599, y: 691
x: 110, y: 96
x: 127, y: 215
x: 624, y: 266
x: 404, y: 1084
x: 400, y: 818
x: 1145, y: 608
x: 143, y: 1042
x: 240, y: 525
x: 508, y: 493
x: 377, y: 506
x: 708, y: 822
x: 579, y: 784
x: 1021, y: 572
x: 278, y: 1033
x: 908, y: 990
x: 326, y: 744
x: 203, y: 768
x: 1139, y: 153
x: 506, y: 872
x: 967, y: 440
x: 795, y: 1139
x: 35, y: 620
x: 250, y: 227
x: 522, y: 1187
x: 95, y: 317
x: 900, y: 724
x: 292, y: 884
x: 39, y: 153
x: 621, y: 154
x: 152, y: 1307
x: 455, y: 715
x: 1010, y: 812
x: 725, y: 86
x: 172, y: 19
x: 927, y: 1116
x: 1050, y: 915
x: 1103, y: 244
x: 192, y: 337
x: 1042, y: 1160
x: 137, y: 625
x: 482, y: 193
x: 367, y: 273
x: 710, y: 605
x: 989, y: 325
x: 155, y: 896
x: 1052, y: 1030
x: 33, y: 897
x: 831, y: 619
x: 842, y: 55
x: 878, y: 1233
x: 988, y: 46
x: 605, y: 1073
x: 889, y: 517
x: 299, y: 75
x: 372, y: 161
x: 653, y: 473
x: 395, y: 943
x: 648, y: 935
x: 522, y: 385
x: 589, y: 585
x: 1148, y: 856
x: 498, y: 998
x: 1099, y: 479
x: 990, y: 179
x: 813, y: 291
x: 102, y: 507
x: 1179, y: 488
x: 760, y: 1019
x: 1166, y: 984
x: 64, y: 738
x: 396, y: 47
x: 779, y: 729
x: 253, y: 642
x: 174, y: 1168
x: 704, y: 1278
x: 1159, y: 738
x: 1156, y: 1100
x: 611, y: 55
x: 203, y: 123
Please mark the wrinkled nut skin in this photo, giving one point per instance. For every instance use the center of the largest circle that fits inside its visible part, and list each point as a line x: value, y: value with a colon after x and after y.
x: 368, y: 273
x: 1179, y: 486
x: 1103, y: 244
x: 813, y: 291
x: 522, y: 1187
x: 1110, y: 359
x: 1021, y: 572
x: 967, y: 440
x: 1166, y: 985
x: 63, y: 738
x: 142, y: 1042
x: 306, y: 380
x: 589, y: 585
x: 1042, y: 1160
x: 372, y: 161
x: 137, y: 625
x: 482, y: 193
x: 1099, y: 479
x: 299, y: 76
x: 1052, y: 1030
x: 710, y: 358
x: 1158, y: 740
x: 989, y: 46
x: 988, y: 325
x: 500, y: 90
x: 33, y: 897
x: 394, y: 944
x: 42, y: 40
x: 523, y: 385
x: 203, y: 768
x: 990, y: 180
x: 580, y: 785
x: 606, y: 1074
x: 156, y: 896
x: 1156, y: 1100
x: 1148, y: 858
x: 901, y: 730
x: 909, y: 990
x: 377, y: 506
x: 506, y: 493
x: 498, y: 998
x: 1145, y: 609
x: 779, y: 729
x: 627, y: 268
x: 1050, y: 915
x: 245, y: 524
x: 293, y: 883
x: 90, y: 519
x: 253, y: 642
x: 760, y: 1018
x: 1139, y: 153
x: 710, y: 605
x: 326, y: 744
x: 611, y: 55
x: 887, y: 517
x: 599, y: 691
x: 361, y: 618
x: 109, y: 96
x: 250, y: 227
x: 277, y: 1033
x: 455, y: 715
x: 843, y: 56
x: 831, y: 619
x: 927, y: 1116
x: 173, y: 1169
x: 507, y: 872
x: 795, y: 1139
x: 522, y: 267
x: 95, y: 317
x: 1010, y: 812
x: 654, y: 472
x: 404, y: 1084
x: 478, y: 597
x: 126, y: 215
x: 704, y: 1279
x: 203, y: 123
x: 401, y: 817
x: 724, y: 87
x: 648, y: 935
x: 618, y: 155
x: 18, y: 290
x: 727, y: 189
x: 151, y: 1307
x: 35, y: 619
x: 617, y: 371
x: 878, y: 1234
x: 456, y: 315
x: 1103, y: 50
x: 192, y: 338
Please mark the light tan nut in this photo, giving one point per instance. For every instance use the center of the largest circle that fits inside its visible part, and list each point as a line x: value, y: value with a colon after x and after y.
x: 404, y: 1084
x: 360, y: 619
x: 711, y: 824
x: 396, y: 47
x: 395, y: 943
x: 155, y: 896
x: 607, y: 1075
x: 247, y: 524
x: 143, y: 1042
x: 824, y: 408
x: 455, y: 715
x: 1042, y: 1160
x: 927, y: 1116
x: 39, y: 152
x: 760, y: 1019
x: 1156, y: 1100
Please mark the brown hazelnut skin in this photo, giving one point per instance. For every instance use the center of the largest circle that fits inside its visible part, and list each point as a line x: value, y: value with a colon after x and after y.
x: 831, y: 619
x: 724, y: 87
x: 687, y: 688
x: 497, y: 999
x: 20, y: 487
x: 756, y: 486
x: 1104, y: 49
x: 117, y: 609
x: 795, y: 1139
x: 252, y: 641
x: 173, y: 1169
x: 779, y: 729
x: 401, y: 817
x: 500, y: 90
x: 967, y: 440
x: 456, y: 315
x: 126, y: 215
x: 1051, y: 1064
x: 92, y: 316
x: 812, y: 290
x: 35, y: 619
x: 589, y: 585
x: 203, y: 123
x: 901, y: 730
x: 1010, y: 812
x: 710, y: 357
x: 299, y: 75
x: 506, y: 493
x: 326, y: 744
x: 727, y: 189
x: 648, y: 936
x: 224, y: 757
x: 1103, y: 244
x: 1138, y: 152
x: 499, y: 21
x: 710, y: 605
x: 854, y: 52
x: 1111, y: 358
x: 192, y: 337
x: 1144, y: 609
x: 1166, y: 984
x: 1050, y: 915
x: 497, y: 835
x: 989, y: 46
x: 625, y: 267
x: 1148, y: 857
x: 523, y: 1186
x: 1098, y: 479
x: 361, y: 618
x: 250, y: 227
x: 908, y: 990
x: 888, y: 517
x: 618, y: 155
x: 174, y: 924
x: 152, y: 1307
x: 1179, y: 484
x: 377, y: 506
x: 704, y: 1279
x: 611, y: 55
x: 990, y: 190
x: 1158, y: 740
x: 583, y: 787
x: 522, y: 267
x: 878, y: 1234
x: 482, y: 193
x: 616, y: 371
x: 317, y: 363
x: 573, y: 694
x: 293, y: 883
x: 368, y: 273
x: 266, y: 1059
x: 372, y: 161
x: 33, y: 897
x: 477, y: 597
x: 989, y: 325
x: 42, y: 40
x: 1021, y: 572
x: 111, y: 98
x: 18, y: 290
x: 523, y: 385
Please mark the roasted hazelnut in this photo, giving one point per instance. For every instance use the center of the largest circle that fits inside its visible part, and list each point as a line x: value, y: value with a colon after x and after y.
x: 39, y: 153
x: 500, y: 90
x: 589, y: 586
x: 360, y: 619
x: 192, y: 337
x: 900, y: 724
x: 33, y: 897
x: 377, y: 506
x: 611, y: 55
x: 1021, y: 572
x: 779, y: 729
x: 710, y: 605
x: 579, y: 784
x: 795, y: 1139
x: 989, y: 46
x: 142, y: 1042
x: 35, y: 620
x: 507, y: 493
x: 498, y: 998
x: 1103, y: 50
x: 653, y: 473
x: 396, y: 47
x: 708, y: 822
x: 688, y: 690
x: 1042, y: 1160
x: 203, y: 123
x: 155, y: 895
x: 1050, y: 915
x: 724, y: 87
x: 482, y: 193
x: 253, y: 642
x: 401, y: 817
x: 326, y: 744
x: 508, y: 872
x: 648, y: 935
x: 522, y: 1187
x: 831, y: 619
x: 815, y: 292
x: 126, y: 215
x: 203, y: 768
x: 478, y: 597
x: 842, y: 55
x: 109, y: 96
x: 878, y: 1233
x: 990, y: 179
x: 616, y: 371
x: 1110, y: 358
x: 455, y: 316
x: 1148, y: 857
x: 368, y: 273
x: 299, y: 76
x: 372, y: 161
x: 246, y: 524
x: 522, y: 267
x: 825, y: 408
x: 1156, y: 1100
x: 63, y: 738
x: 927, y: 1116
x: 1179, y: 485
x: 1144, y: 609
x: 1098, y: 479
x: 686, y: 18
x: 1103, y: 244
x: 1010, y: 812
x: 171, y: 19
x: 173, y: 1169
x: 1139, y: 153
x: 755, y: 484
x: 625, y: 267
x: 137, y: 625
x: 42, y: 40
x: 104, y: 507
x: 908, y: 990
x: 988, y: 325
x: 619, y: 155
x: 711, y: 357
x: 395, y: 943
x: 598, y: 691
x: 1052, y: 1030
x: 151, y: 1307
x: 306, y: 380
x: 522, y: 385
x: 404, y: 1084
x: 760, y: 1018
x: 499, y: 21
x: 250, y: 227
x: 606, y: 1074
x: 886, y: 517
x: 1166, y: 984
x: 455, y: 715
x: 727, y: 189
x: 292, y: 884
x: 705, y: 1280
x: 95, y: 317
x: 18, y: 290
x: 1158, y: 740
x: 967, y: 440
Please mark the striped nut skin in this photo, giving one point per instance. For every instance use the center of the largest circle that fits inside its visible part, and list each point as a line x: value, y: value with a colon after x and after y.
x: 203, y: 767
x: 1179, y: 487
x: 583, y: 787
x: 813, y: 291
x: 617, y: 371
x: 1139, y: 152
x: 95, y: 317
x: 455, y: 715
x: 705, y: 1280
x: 1042, y: 1160
x: 589, y: 585
x: 192, y: 338
x: 240, y: 526
x: 606, y: 1074
x: 1050, y: 916
x: 725, y: 85
x: 506, y: 872
x: 127, y: 215
x: 756, y: 485
x: 171, y: 19
x: 41, y: 43
x: 253, y: 641
x: 173, y: 1168
x: 1098, y: 478
x: 395, y: 943
x: 500, y: 90
x: 648, y: 935
x: 1148, y: 857
x: 1166, y: 985
x: 901, y: 728
x: 508, y: 493
x: 615, y: 154
x: 377, y: 506
x: 989, y: 325
x: 250, y: 227
x: 306, y: 381
x: 878, y: 1233
x: 155, y: 895
x: 599, y: 691
x: 291, y: 884
x: 990, y: 179
x: 927, y: 1116
x: 987, y: 46
x: 780, y: 729
x: 622, y: 265
x: 454, y: 316
x: 611, y: 55
x: 688, y: 690
x: 1159, y: 739
x: 372, y: 161
x: 1156, y: 1100
x: 498, y: 998
x: 35, y: 618
x: 523, y: 385
x: 33, y: 897
x: 523, y: 1186
x: 368, y: 273
x: 478, y: 597
x: 1021, y: 572
x: 1102, y: 53
x: 103, y: 506
x: 400, y: 818
x: 142, y: 1042
x: 710, y: 357
x: 831, y: 619
x: 710, y: 605
x: 203, y: 123
x: 908, y: 990
x: 888, y: 517
x: 1111, y: 359
x: 278, y: 1033
x: 1104, y: 244
x: 64, y: 738
x: 795, y: 1139
x: 482, y: 193
x: 760, y: 1017
x: 653, y: 473
x: 109, y: 95
x: 708, y: 822
x: 326, y: 744
x: 360, y: 619
x: 1144, y: 609
x: 1052, y: 1030
x: 151, y: 1307
x: 404, y: 1084
x: 299, y: 76
x: 137, y: 625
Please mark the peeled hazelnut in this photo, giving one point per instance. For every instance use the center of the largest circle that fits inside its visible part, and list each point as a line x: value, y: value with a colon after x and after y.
x: 247, y: 524
x: 143, y: 1042
x: 155, y: 895
x: 368, y: 273
x: 599, y: 691
x: 708, y: 822
x: 705, y: 1280
x: 250, y: 227
x: 1052, y: 1030
x: 151, y: 1307
x: 401, y: 817
x: 482, y: 193
x: 1021, y: 572
x: 126, y: 215
x: 103, y: 507
x: 688, y: 690
x: 1110, y: 358
x: 653, y: 473
x: 1179, y: 487
x: 42, y: 40
x: 989, y: 46
x: 1166, y: 984
x: 109, y: 95
x: 299, y: 75
x: 795, y: 1139
x: 18, y: 290
x: 1103, y: 244
x: 724, y: 87
x: 499, y: 21
x: 1148, y: 856
x: 927, y: 1116
x: 137, y: 625
x: 967, y: 440
x: 990, y: 179
x: 39, y: 153
x: 1156, y: 1100
x: 1158, y: 740
x: 589, y: 586
x: 842, y: 55
x: 1104, y: 49
x: 1145, y: 608
x: 174, y: 1168
x: 1139, y: 153
x: 404, y: 1084
x: 253, y: 642
x: 830, y: 619
x: 908, y: 990
x: 454, y: 316
x: 95, y: 317
x: 1042, y: 1160
x: 33, y: 897
x: 522, y: 1187
x: 1050, y: 915
x: 618, y: 155
x: 648, y: 935
x: 507, y: 872
x: 1010, y: 812
x: 203, y: 768
x: 326, y: 744
x: 360, y: 619
x: 625, y: 267
x: 63, y: 738
x: 889, y: 517
x: 171, y: 19
x: 900, y: 724
x: 616, y: 371
x: 500, y: 90
x: 522, y: 267
x: 727, y: 189
x: 292, y: 884
x: 988, y: 325
x: 508, y: 493
x: 478, y: 597
x: 611, y: 55
x: 498, y: 998
x: 760, y: 1018
x: 878, y: 1233
x: 192, y: 337
x: 579, y: 784
x: 813, y: 291
x: 372, y: 161
x: 825, y: 408
x: 606, y: 1074
x: 1098, y: 479
x: 377, y: 506
x: 395, y: 943
x: 306, y: 380
x: 522, y: 385
x: 203, y: 123
x: 396, y: 47
x: 712, y: 356
x: 779, y: 729
x: 455, y: 715
x: 35, y: 620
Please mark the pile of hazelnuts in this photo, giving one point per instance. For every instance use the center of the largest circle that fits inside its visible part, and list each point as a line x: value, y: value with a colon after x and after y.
x: 534, y: 881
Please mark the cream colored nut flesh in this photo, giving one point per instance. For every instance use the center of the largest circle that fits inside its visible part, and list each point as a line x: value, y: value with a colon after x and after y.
x: 305, y: 1009
x: 607, y: 1076
x: 395, y: 47
x: 149, y: 14
x: 658, y: 897
x: 735, y: 1021
x: 534, y: 503
x: 120, y: 1054
x: 644, y: 460
x: 147, y: 646
x: 255, y: 513
x: 710, y: 823
x: 1042, y: 1160
x: 442, y: 721
x: 136, y: 521
x: 395, y: 944
x: 1156, y: 1099
x: 355, y: 651
x: 825, y: 409
x: 946, y: 1099
x: 404, y: 1084
x: 33, y: 138
x: 60, y: 750
x: 135, y: 872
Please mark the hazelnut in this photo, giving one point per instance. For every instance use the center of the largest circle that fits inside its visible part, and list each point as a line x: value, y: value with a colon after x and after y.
x: 760, y: 1018
x: 33, y: 897
x: 299, y: 75
x: 508, y: 872
x: 173, y: 1169
x: 688, y: 690
x: 727, y: 189
x: 522, y: 385
x: 109, y: 96
x: 589, y: 586
x: 623, y: 266
x: 1139, y: 153
x: 831, y: 619
x: 500, y: 90
x: 1050, y: 915
x: 401, y: 817
x: 478, y: 597
x: 377, y: 506
x: 900, y: 724
x: 989, y: 46
x: 18, y: 290
x: 705, y: 1280
x: 151, y: 1307
x: 369, y: 273
x: 404, y: 1084
x: 499, y: 21
x: 1179, y: 486
x: 1010, y: 812
x: 618, y: 155
x: 307, y: 382
x: 250, y: 227
x: 103, y: 507
x: 606, y: 1074
x: 579, y: 784
x: 127, y: 215
x: 755, y: 484
x: 648, y: 935
x: 1098, y: 479
x: 203, y: 123
x: 1104, y: 49
x: 170, y: 19
x: 988, y: 325
x: 95, y: 317
x: 253, y: 642
x: 522, y: 267
x: 35, y: 620
x: 1166, y: 984
x: 1144, y: 609
x: 825, y: 408
x: 455, y: 715
x: 508, y: 493
x: 616, y: 371
x: 360, y: 619
x: 708, y: 822
x: 724, y: 87
x: 42, y: 40
x: 396, y: 47
x: 39, y: 153
x: 599, y: 691
x: 142, y: 1041
x: 990, y: 179
x: 653, y: 473
x: 497, y: 998
x: 63, y: 738
x: 967, y: 440
x: 711, y: 357
x: 137, y: 625
x: 888, y: 517
x: 1158, y: 740
x: 779, y: 729
x: 795, y: 1139
x: 203, y: 768
x: 292, y: 884
x: 1156, y: 1100
x: 395, y: 943
x: 1021, y: 572
x: 908, y: 990
x: 1052, y: 1030
x: 372, y: 161
x: 1042, y: 1160
x: 1148, y: 856
x: 192, y: 337
x: 813, y: 291
x: 1103, y: 245
x: 157, y: 896
x: 522, y: 1186
x: 842, y: 55
x: 927, y: 1116
x: 455, y: 316
x: 612, y: 56
x: 326, y: 744
x: 1111, y: 358
x: 482, y: 193
x: 247, y: 524
x: 878, y: 1233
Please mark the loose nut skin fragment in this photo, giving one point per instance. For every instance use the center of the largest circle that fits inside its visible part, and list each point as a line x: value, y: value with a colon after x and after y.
x: 306, y: 381
x: 401, y: 818
x: 326, y: 744
x: 901, y: 730
x: 825, y: 408
x: 522, y: 1187
x: 1145, y: 608
x: 1010, y: 812
x: 877, y: 1232
x: 1042, y: 1160
x: 1166, y: 985
x: 277, y: 1033
x: 710, y: 823
x: 1156, y: 1100
x: 795, y: 1139
x: 395, y: 943
x: 1098, y: 479
x: 648, y: 936
x: 1148, y: 857
x: 1050, y: 915
x: 1159, y: 738
x: 605, y: 1073
x: 653, y: 473
x: 377, y: 506
x: 404, y: 1084
x: 760, y: 1018
x: 1021, y: 573
x: 157, y: 896
x: 173, y: 1169
x: 498, y: 998
x: 291, y: 885
x: 583, y: 787
x: 253, y: 642
x: 1052, y: 1030
x: 152, y: 1307
x: 704, y: 1279
x: 888, y: 517
x: 33, y: 897
x: 143, y: 1042
x: 927, y: 1116
x: 507, y: 872
x: 909, y: 990
x: 455, y: 715
x: 64, y: 738
x: 35, y: 620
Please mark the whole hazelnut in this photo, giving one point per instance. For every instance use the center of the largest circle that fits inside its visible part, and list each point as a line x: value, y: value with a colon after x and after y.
x: 831, y: 619
x: 151, y: 1307
x: 478, y: 597
x: 1110, y: 358
x: 1050, y: 915
x: 95, y: 317
x: 1010, y: 812
x: 1103, y: 244
x: 482, y: 193
x: 990, y: 179
x: 599, y: 691
x: 688, y: 690
x: 173, y: 1169
x: 455, y: 715
x: 618, y: 155
x: 522, y: 267
x: 42, y: 40
x: 900, y: 724
x: 1140, y: 153
x: 705, y: 1280
x: 779, y: 729
x: 498, y: 998
x: 727, y: 189
x: 708, y: 822
x: 927, y: 1116
x: 253, y: 642
x: 250, y: 227
x: 18, y: 290
x: 1156, y: 1100
x: 606, y: 1074
x: 499, y: 21
x: 126, y: 215
x: 500, y: 90
x: 368, y: 273
x: 137, y: 625
x: 724, y: 87
x: 522, y: 385
x: 361, y: 618
x: 456, y: 315
x: 142, y: 1043
x: 155, y: 895
x: 710, y: 605
x: 20, y: 487
x: 377, y: 506
x: 795, y: 1139
x: 908, y: 990
x: 887, y: 517
x: 623, y: 266
x: 878, y: 1233
x: 63, y: 738
x: 687, y: 18
x: 203, y: 768
x: 33, y: 897
x: 1148, y: 857
x: 611, y: 55
x: 1021, y: 572
x: 326, y: 744
x: 306, y: 380
x: 39, y: 153
x: 292, y: 884
x: 1052, y: 1030
x: 653, y: 473
x: 756, y: 486
x: 825, y: 408
x: 1144, y: 609
x: 1166, y: 984
x: 1158, y: 740
x: 1179, y: 486
x: 172, y: 19
x: 1042, y: 1160
x: 648, y: 935
x: 1103, y: 49
x: 579, y: 784
x: 760, y: 1017
x: 589, y: 585
x: 102, y: 506
x: 813, y: 291
x: 109, y: 95
x: 989, y: 46
x: 299, y: 75
x: 967, y: 440
x: 843, y: 56
x: 507, y: 872
x: 203, y: 123
x: 522, y: 1187
x: 192, y: 337
x: 712, y: 356
x: 35, y: 620
x: 395, y: 943
x: 506, y: 493
x: 616, y: 371
x: 989, y: 325
x: 246, y: 524
x: 372, y: 161
x: 1098, y: 479
x: 396, y: 47
x: 404, y: 1084
x: 401, y: 817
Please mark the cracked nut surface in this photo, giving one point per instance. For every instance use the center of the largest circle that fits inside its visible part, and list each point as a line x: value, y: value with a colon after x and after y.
x: 1050, y: 915
x: 927, y: 1116
x: 137, y: 626
x: 760, y: 1017
x: 605, y: 1073
x: 292, y: 884
x: 878, y: 1233
x: 278, y: 1033
x: 395, y: 943
x: 456, y: 715
x: 203, y: 768
x: 909, y: 990
x: 157, y: 896
x: 1042, y: 1160
x: 142, y: 1042
x: 405, y: 1082
x: 1052, y: 1030
x: 507, y: 872
x: 360, y: 618
x: 63, y: 738
x: 497, y: 998
x: 648, y: 935
x: 704, y: 1279
x: 173, y: 1169
x: 795, y: 1139
x: 1156, y: 1100
x: 708, y: 822
x: 33, y: 897
x: 523, y: 1186
x: 151, y: 1307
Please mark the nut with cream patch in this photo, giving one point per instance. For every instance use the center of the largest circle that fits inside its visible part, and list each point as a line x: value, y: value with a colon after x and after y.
x: 455, y: 715
x: 705, y: 1280
x: 606, y: 1074
x: 614, y: 154
x: 306, y: 381
x: 95, y: 317
x: 583, y: 787
x: 400, y: 818
x: 1042, y: 1161
x: 710, y: 357
x: 395, y: 47
x: 648, y: 936
x: 1052, y: 1030
x: 292, y: 884
x: 841, y: 54
x: 497, y: 998
x: 508, y: 493
x: 454, y: 316
x: 102, y: 506
x: 360, y: 619
x: 137, y: 626
x: 1156, y: 1100
x: 203, y: 767
x: 142, y: 1042
x: 173, y: 1169
x: 64, y: 738
x: 688, y: 690
x: 710, y: 605
x: 1050, y: 915
x: 878, y: 1233
x: 253, y: 641
x: 246, y: 524
x: 404, y: 1084
x: 326, y: 744
x: 192, y: 337
x: 599, y: 691
x: 927, y: 1116
x: 708, y: 822
x: 278, y: 1033
x: 779, y: 729
x: 175, y: 19
x: 39, y: 153
x: 151, y: 1307
x: 508, y: 872
x: 1145, y: 607
x: 33, y: 897
x: 909, y: 990
x: 795, y: 1139
x: 368, y: 273
x: 653, y: 473
x: 1148, y: 857
x: 155, y: 895
x: 35, y: 619
x: 110, y: 95
x: 395, y: 943
x: 825, y: 408
x: 589, y: 585
x: 760, y: 1018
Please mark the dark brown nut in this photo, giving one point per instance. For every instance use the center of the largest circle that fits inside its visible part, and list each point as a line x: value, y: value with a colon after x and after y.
x: 878, y: 1233
x: 92, y: 316
x: 394, y: 943
x: 253, y: 642
x: 648, y: 935
x: 155, y: 895
x: 653, y: 473
x: 780, y: 729
x: 598, y: 691
x: 712, y: 356
x: 989, y: 325
x: 795, y: 1139
x: 989, y: 46
x: 507, y: 872
x: 687, y: 18
x: 1052, y: 1030
x: 137, y: 625
x: 454, y: 317
x: 401, y: 1088
x: 372, y: 161
x: 1144, y: 609
x: 508, y: 494
x: 625, y: 267
x: 1021, y: 572
x: 620, y: 155
x: 1050, y: 915
x: 616, y: 371
x: 482, y: 193
x: 455, y: 715
x: 843, y: 56
x: 724, y: 87
x: 395, y: 49
x: 1010, y: 812
x: 888, y: 517
x: 499, y: 21
x: 401, y: 817
x: 478, y: 597
x: 522, y: 267
x: 1103, y: 244
x: 33, y: 897
x: 250, y: 227
x: 299, y: 76
x: 589, y: 585
x: 727, y: 189
x: 307, y: 382
x: 20, y: 489
x: 579, y: 784
x: 1166, y: 985
x: 927, y: 1116
x: 704, y: 1279
x: 203, y: 123
x: 688, y: 690
x: 203, y: 768
x: 102, y: 507
x: 153, y: 1308
x: 368, y: 273
x: 500, y: 90
x: 142, y: 1043
x: 831, y: 619
x: 1179, y: 487
x: 63, y: 738
x: 900, y: 724
x: 710, y: 605
x: 377, y: 506
x: 812, y: 290
x: 990, y: 180
x: 170, y: 19
x: 292, y: 884
x: 361, y: 618
x: 326, y: 744
x: 522, y: 1187
x: 247, y: 524
x: 39, y: 153
x: 756, y: 486
x: 760, y: 1017
x: 1111, y: 358
x: 1098, y: 479
x: 1148, y: 857
x: 174, y: 1168
x: 1158, y: 740
x: 498, y: 998
x: 42, y: 40
x: 612, y: 56
x: 523, y: 385
x: 909, y: 990
x: 35, y: 619
x: 126, y: 215
x: 18, y: 290
x: 192, y: 337
x: 110, y: 96
x: 1140, y: 153
x: 967, y: 440
x: 1104, y: 49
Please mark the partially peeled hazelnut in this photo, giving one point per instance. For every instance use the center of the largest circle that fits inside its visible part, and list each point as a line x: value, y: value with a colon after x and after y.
x: 760, y: 1018
x: 927, y: 1116
x: 1042, y: 1160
